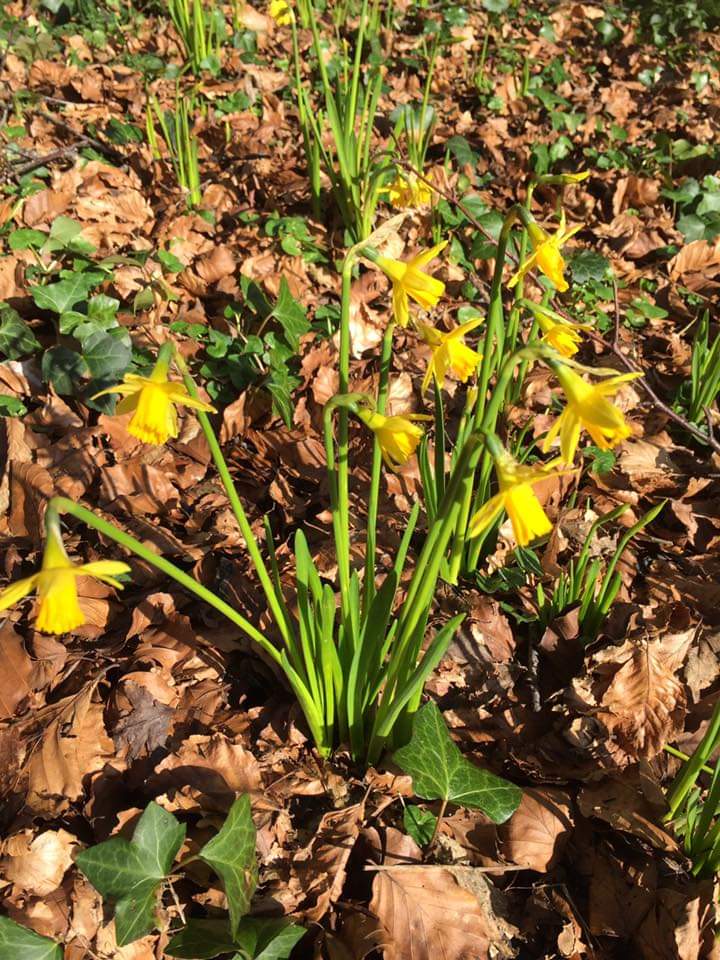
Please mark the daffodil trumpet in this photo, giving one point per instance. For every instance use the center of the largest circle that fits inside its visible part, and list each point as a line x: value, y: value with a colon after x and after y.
x: 56, y: 583
x: 410, y: 281
x: 545, y: 254
x: 516, y: 496
x: 449, y: 352
x: 152, y: 400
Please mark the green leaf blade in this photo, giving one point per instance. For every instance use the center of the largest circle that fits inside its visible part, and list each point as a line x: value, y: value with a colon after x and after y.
x: 231, y: 853
x: 440, y: 772
x: 20, y: 943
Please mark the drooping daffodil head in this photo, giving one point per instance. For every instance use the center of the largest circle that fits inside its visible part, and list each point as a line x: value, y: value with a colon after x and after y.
x: 450, y: 353
x: 588, y: 408
x: 152, y: 402
x: 55, y: 583
x: 517, y: 498
x: 398, y: 436
x: 410, y: 282
x: 546, y: 255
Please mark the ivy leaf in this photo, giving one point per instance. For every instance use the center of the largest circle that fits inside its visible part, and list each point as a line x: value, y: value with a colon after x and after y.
x: 231, y: 854
x: 131, y: 871
x: 291, y: 316
x: 420, y: 824
x: 64, y: 294
x: 64, y: 369
x: 201, y: 940
x: 267, y: 938
x: 18, y: 942
x: 16, y: 338
x: 440, y: 772
x: 65, y: 234
x: 106, y: 352
x: 259, y: 938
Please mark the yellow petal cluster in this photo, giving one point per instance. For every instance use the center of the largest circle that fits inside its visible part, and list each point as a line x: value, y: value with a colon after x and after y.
x: 281, y: 12
x: 152, y: 400
x: 546, y: 254
x: 59, y: 610
x: 408, y: 191
x: 517, y: 498
x: 410, y: 282
x: 449, y: 352
x: 588, y: 409
x: 398, y: 436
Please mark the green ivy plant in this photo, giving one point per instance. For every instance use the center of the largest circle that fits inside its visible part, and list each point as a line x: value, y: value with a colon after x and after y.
x: 134, y: 875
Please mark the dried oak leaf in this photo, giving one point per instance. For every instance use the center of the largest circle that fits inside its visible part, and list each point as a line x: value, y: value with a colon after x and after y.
x: 425, y: 913
x: 538, y: 830
x: 37, y: 864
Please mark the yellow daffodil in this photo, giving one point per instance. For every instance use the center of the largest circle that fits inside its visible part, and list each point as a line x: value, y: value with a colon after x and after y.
x: 398, y: 436
x: 59, y: 610
x: 516, y: 497
x: 408, y: 191
x: 151, y: 400
x: 449, y: 352
x: 546, y: 254
x: 411, y: 283
x: 563, y: 336
x: 281, y: 12
x: 588, y: 409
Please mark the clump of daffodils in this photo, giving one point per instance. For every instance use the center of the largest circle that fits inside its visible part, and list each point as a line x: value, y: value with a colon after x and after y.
x: 152, y: 401
x: 55, y: 583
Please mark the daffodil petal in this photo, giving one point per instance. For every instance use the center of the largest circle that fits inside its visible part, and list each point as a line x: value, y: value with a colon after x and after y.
x: 486, y: 515
x: 16, y: 591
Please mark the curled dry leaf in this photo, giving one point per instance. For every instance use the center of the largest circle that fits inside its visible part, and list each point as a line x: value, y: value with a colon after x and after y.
x: 632, y: 691
x: 322, y: 864
x: 37, y: 865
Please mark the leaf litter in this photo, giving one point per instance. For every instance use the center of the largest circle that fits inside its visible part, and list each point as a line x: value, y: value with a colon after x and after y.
x: 158, y: 701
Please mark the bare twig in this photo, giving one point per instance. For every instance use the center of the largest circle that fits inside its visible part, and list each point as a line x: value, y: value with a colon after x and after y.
x: 110, y: 152
x: 500, y: 868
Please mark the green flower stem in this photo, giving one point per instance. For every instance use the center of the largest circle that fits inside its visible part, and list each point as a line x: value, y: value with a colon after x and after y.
x: 275, y: 602
x: 60, y: 505
x: 343, y: 470
x: 374, y: 495
x: 312, y: 152
x: 492, y: 354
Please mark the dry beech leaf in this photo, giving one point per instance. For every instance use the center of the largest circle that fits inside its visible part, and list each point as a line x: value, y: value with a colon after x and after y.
x: 537, y: 832
x: 642, y: 701
x: 37, y: 865
x: 425, y: 914
x: 321, y: 866
x: 74, y: 746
